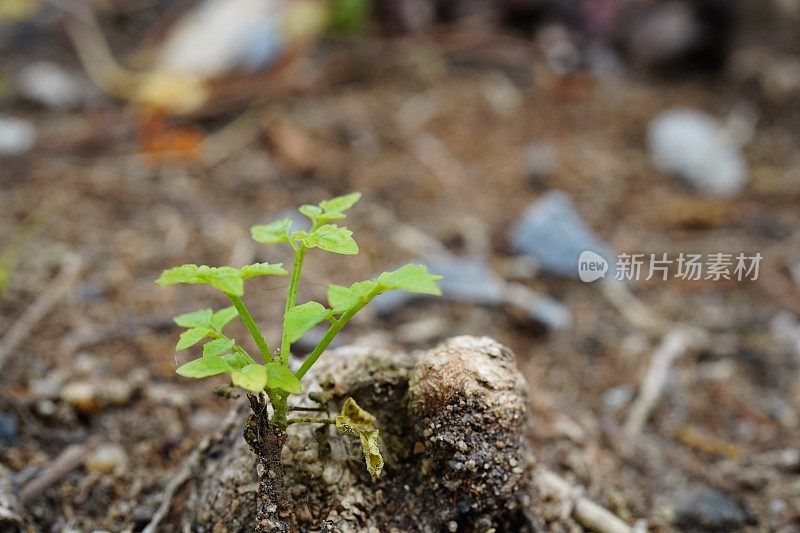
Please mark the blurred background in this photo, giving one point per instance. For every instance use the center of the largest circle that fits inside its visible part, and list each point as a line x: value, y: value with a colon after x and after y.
x: 492, y: 140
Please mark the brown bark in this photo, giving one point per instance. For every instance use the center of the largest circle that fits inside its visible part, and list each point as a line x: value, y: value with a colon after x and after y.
x: 274, y: 512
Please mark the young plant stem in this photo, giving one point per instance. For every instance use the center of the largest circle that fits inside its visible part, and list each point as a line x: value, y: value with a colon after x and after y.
x: 310, y: 420
x: 266, y: 438
x: 251, y: 326
x: 307, y: 409
x: 291, y: 299
x: 280, y: 408
x: 332, y: 332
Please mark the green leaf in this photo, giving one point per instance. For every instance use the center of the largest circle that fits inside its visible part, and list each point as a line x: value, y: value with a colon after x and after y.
x: 312, y: 212
x: 204, y: 367
x: 221, y: 318
x: 349, y: 17
x: 332, y: 238
x: 340, y: 204
x: 217, y: 347
x: 272, y: 233
x: 251, y: 377
x: 190, y: 337
x: 281, y: 377
x: 179, y: 274
x: 226, y: 279
x: 194, y: 319
x: 410, y: 278
x: 262, y: 269
x: 343, y: 298
x: 237, y: 360
x: 354, y: 420
x: 302, y: 318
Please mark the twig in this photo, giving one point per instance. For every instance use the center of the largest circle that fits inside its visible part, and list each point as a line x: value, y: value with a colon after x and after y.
x: 185, y: 471
x: 12, y: 514
x: 176, y: 482
x: 53, y: 294
x: 66, y: 462
x: 674, y: 344
x: 632, y: 309
x: 87, y: 336
x: 589, y: 514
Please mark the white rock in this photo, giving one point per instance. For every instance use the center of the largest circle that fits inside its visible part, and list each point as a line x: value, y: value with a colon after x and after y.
x: 17, y: 136
x: 50, y: 85
x: 106, y: 459
x: 694, y: 146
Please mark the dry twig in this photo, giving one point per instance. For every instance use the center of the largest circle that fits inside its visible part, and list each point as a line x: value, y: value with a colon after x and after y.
x: 187, y: 467
x: 70, y: 459
x: 674, y: 344
x: 12, y: 514
x: 48, y: 299
x: 589, y: 514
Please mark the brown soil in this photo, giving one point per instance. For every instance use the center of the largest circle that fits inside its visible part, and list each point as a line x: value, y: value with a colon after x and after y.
x: 421, y: 128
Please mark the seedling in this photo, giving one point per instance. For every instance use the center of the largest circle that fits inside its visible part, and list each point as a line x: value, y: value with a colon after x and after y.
x: 270, y: 380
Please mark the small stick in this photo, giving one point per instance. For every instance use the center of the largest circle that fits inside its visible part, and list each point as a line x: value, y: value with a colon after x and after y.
x: 187, y: 467
x: 70, y: 459
x: 633, y: 310
x: 674, y: 344
x: 12, y: 514
x: 589, y: 514
x: 48, y: 299
x: 81, y: 338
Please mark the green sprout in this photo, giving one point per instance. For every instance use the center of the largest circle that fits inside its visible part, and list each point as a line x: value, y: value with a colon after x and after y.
x: 272, y: 375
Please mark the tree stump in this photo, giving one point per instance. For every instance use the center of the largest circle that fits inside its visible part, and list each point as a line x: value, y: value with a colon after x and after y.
x: 453, y: 424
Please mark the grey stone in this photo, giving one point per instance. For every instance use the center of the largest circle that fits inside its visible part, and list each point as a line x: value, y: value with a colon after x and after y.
x: 552, y: 232
x: 17, y: 136
x: 8, y: 430
x: 465, y: 280
x: 702, y: 508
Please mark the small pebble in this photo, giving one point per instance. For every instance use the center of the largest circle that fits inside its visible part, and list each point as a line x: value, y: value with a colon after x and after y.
x: 82, y: 395
x: 616, y: 398
x: 541, y: 161
x: 694, y: 146
x: 706, y: 508
x: 142, y: 515
x: 8, y: 430
x: 452, y: 526
x: 117, y: 392
x: 17, y: 136
x: 48, y: 84
x: 105, y: 459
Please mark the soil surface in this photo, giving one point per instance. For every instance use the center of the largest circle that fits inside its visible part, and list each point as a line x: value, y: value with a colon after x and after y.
x: 434, y: 129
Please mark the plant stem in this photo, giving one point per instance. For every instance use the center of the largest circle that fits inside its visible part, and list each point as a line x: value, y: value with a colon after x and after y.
x: 251, y: 326
x: 310, y: 420
x: 332, y: 332
x: 291, y: 299
x: 280, y: 408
